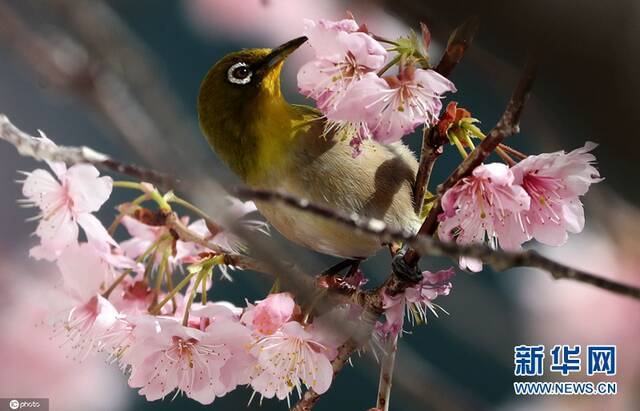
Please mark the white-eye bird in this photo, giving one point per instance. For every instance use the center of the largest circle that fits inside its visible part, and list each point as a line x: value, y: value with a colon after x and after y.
x: 271, y: 144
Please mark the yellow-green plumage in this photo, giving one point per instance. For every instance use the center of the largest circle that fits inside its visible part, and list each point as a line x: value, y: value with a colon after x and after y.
x: 275, y: 145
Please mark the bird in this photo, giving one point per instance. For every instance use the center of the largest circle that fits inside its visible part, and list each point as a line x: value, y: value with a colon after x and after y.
x: 274, y: 145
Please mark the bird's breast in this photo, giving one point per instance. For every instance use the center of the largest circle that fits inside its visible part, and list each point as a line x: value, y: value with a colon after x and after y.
x: 377, y: 184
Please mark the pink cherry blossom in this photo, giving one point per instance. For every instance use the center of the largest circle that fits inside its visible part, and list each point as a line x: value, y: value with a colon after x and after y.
x: 90, y: 325
x: 166, y: 355
x: 394, y: 308
x: 34, y: 364
x: 415, y: 300
x: 421, y: 296
x: 84, y: 271
x: 237, y: 339
x: 88, y: 317
x: 66, y: 201
x: 287, y: 359
x: 214, y: 311
x: 268, y: 315
x: 133, y: 295
x: 394, y: 106
x: 483, y: 207
x: 343, y: 56
x: 142, y: 236
x: 555, y: 181
x: 330, y: 38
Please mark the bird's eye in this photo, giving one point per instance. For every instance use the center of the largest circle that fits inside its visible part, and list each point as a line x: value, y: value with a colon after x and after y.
x: 239, y: 73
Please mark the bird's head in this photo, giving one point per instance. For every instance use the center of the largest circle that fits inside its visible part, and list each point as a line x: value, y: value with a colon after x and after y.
x: 238, y: 94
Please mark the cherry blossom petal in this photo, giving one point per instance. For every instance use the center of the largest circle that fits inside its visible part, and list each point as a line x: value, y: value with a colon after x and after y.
x: 394, y: 109
x: 286, y: 360
x: 486, y: 206
x: 555, y: 181
x: 140, y: 230
x: 41, y: 188
x: 95, y: 231
x: 86, y: 188
x: 58, y: 230
x: 472, y: 264
x: 83, y: 271
x: 325, y: 37
x: 272, y: 313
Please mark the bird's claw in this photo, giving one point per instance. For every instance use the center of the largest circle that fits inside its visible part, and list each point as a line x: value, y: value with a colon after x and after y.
x: 403, y: 271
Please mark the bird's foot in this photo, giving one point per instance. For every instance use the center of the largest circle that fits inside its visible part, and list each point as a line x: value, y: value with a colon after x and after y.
x: 330, y: 278
x: 403, y: 270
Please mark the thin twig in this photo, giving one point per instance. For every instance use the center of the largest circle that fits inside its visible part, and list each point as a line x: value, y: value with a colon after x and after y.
x: 508, y: 125
x: 457, y: 45
x: 387, y: 365
x: 432, y: 141
x: 502, y: 260
x: 368, y: 225
x: 432, y: 148
x: 508, y: 149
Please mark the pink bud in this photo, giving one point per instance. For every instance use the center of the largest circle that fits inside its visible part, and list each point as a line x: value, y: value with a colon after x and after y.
x: 272, y: 312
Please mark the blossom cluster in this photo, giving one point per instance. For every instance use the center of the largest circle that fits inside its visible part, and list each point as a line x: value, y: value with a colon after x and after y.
x: 119, y: 297
x: 504, y: 205
x: 537, y: 198
x: 348, y: 82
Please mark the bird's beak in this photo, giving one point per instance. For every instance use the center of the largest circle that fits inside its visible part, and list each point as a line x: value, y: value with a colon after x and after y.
x: 280, y: 53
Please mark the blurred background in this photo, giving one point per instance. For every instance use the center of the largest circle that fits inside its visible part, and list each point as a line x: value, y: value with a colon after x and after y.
x: 122, y: 77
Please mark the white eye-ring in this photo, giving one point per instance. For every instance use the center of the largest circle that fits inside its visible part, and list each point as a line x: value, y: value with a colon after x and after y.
x: 239, y: 73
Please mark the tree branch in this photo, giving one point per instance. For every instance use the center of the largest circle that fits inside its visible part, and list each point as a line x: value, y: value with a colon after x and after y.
x: 458, y: 43
x: 428, y: 246
x: 41, y: 150
x: 508, y: 125
x: 386, y: 374
x: 432, y: 141
x: 501, y: 260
